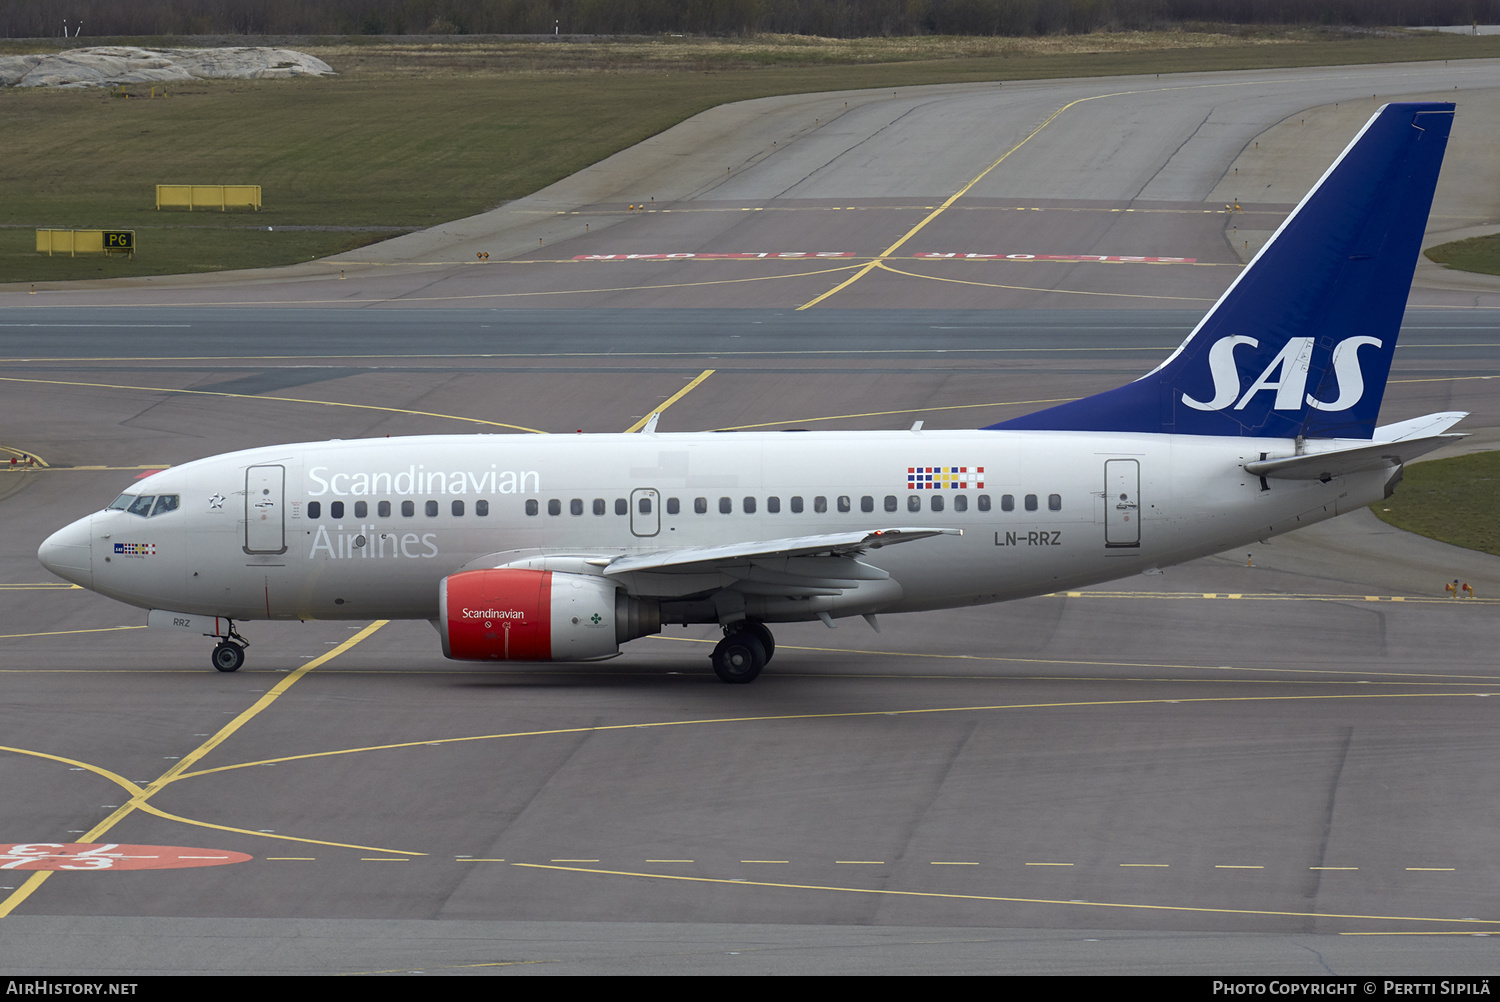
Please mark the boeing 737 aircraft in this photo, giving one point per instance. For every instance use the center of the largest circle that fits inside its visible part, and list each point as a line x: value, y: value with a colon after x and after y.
x: 543, y: 548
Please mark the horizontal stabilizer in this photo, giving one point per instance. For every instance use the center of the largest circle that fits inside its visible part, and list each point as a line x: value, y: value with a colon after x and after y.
x: 1327, y: 465
x: 1427, y: 424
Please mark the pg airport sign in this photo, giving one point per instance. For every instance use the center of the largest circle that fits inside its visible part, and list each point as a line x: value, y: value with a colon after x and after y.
x: 75, y: 242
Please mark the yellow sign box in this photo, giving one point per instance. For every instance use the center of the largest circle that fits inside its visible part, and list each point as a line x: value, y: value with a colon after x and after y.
x: 75, y: 242
x: 208, y: 196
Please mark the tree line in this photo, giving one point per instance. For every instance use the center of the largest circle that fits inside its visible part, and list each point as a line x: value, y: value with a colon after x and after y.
x: 828, y: 18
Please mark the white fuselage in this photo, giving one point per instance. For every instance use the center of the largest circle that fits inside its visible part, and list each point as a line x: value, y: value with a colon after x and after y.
x: 368, y: 529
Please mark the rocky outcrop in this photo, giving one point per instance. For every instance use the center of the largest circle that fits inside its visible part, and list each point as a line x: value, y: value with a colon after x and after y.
x: 109, y: 65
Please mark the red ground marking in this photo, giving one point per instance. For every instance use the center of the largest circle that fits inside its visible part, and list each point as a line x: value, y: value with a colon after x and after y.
x: 110, y: 856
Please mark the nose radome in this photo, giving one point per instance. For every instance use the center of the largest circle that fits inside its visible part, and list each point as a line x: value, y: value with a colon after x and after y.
x: 68, y: 553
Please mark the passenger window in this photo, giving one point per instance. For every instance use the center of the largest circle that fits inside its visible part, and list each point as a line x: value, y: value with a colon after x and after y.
x: 458, y: 507
x: 431, y: 508
x: 335, y: 509
x: 796, y: 504
x: 164, y: 503
x: 482, y: 508
x: 984, y: 502
x: 532, y: 507
x: 1054, y: 502
x: 913, y: 502
x: 644, y: 505
x: 600, y: 508
x: 554, y: 506
x: 936, y: 502
x: 1031, y: 502
x: 844, y: 505
x: 820, y: 504
x: 700, y: 506
x: 622, y: 507
x: 361, y: 509
x: 314, y: 509
x: 383, y: 509
x: 961, y: 502
x: 749, y: 506
x: 576, y: 506
x: 867, y: 504
x: 142, y: 505
x: 1007, y: 503
x: 725, y: 506
x: 408, y: 509
x: 773, y: 504
x: 673, y: 506
x: 890, y: 502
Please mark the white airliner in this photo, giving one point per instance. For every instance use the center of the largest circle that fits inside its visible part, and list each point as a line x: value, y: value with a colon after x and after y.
x: 543, y: 548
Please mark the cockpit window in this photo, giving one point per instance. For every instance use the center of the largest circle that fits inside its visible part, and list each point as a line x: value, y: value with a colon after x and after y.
x: 145, y: 505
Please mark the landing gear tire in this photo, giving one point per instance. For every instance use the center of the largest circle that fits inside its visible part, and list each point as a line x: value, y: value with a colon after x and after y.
x: 739, y: 658
x: 228, y: 657
x: 759, y: 631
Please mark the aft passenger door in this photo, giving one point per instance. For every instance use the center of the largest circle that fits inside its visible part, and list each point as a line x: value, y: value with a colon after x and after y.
x: 265, y: 526
x: 1122, y: 502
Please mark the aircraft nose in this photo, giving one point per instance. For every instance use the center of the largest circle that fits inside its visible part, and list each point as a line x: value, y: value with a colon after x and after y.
x: 68, y: 553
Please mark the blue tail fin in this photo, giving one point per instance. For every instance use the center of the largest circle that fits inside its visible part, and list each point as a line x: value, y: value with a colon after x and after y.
x: 1301, y: 343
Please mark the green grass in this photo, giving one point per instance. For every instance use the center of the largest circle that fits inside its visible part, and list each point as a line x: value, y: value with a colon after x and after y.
x: 413, y: 134
x: 1453, y: 500
x: 1481, y: 254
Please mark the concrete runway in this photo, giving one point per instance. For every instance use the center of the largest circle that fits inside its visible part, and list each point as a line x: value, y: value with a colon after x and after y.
x: 1286, y: 767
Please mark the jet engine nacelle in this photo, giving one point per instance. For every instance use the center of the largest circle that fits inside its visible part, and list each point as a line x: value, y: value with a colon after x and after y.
x: 514, y: 614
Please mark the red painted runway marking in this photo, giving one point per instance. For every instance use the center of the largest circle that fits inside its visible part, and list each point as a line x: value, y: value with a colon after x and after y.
x: 110, y: 856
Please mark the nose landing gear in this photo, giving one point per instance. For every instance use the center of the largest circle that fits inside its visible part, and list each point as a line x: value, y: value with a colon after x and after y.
x: 744, y: 651
x: 229, y: 654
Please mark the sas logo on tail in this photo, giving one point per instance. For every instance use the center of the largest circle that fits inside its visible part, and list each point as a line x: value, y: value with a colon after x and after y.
x: 1286, y: 375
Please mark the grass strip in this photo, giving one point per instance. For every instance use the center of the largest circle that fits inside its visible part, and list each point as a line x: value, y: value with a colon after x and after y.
x: 1451, y: 500
x: 1480, y: 254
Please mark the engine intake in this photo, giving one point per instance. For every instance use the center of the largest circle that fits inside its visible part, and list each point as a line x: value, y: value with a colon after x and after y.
x: 511, y: 614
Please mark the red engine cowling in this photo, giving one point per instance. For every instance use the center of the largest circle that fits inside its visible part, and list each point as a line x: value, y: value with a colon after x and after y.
x: 511, y: 614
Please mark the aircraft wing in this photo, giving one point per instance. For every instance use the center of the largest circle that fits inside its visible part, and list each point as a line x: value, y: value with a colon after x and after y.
x: 1327, y: 465
x: 708, y: 558
x: 825, y: 565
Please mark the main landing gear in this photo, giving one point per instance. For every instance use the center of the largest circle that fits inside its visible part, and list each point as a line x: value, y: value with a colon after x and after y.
x: 744, y: 651
x: 229, y: 654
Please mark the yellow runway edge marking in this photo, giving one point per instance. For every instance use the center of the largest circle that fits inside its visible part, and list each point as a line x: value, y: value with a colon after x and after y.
x: 470, y: 296
x: 648, y: 725
x: 1482, y: 925
x: 287, y: 400
x: 671, y: 400
x: 19, y: 453
x: 139, y: 797
x: 1027, y: 288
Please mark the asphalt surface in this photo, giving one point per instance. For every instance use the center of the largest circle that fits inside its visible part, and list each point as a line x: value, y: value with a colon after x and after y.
x: 1279, y: 761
